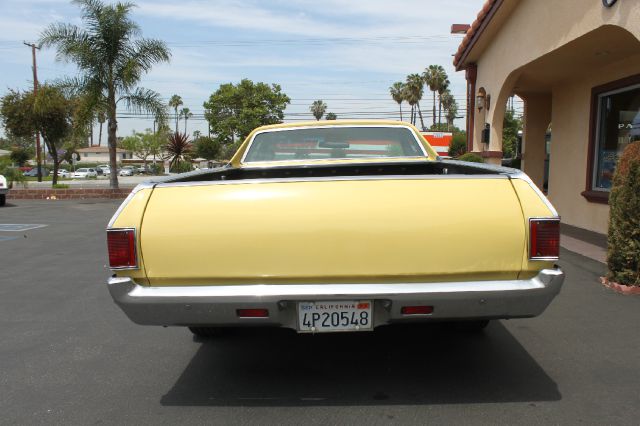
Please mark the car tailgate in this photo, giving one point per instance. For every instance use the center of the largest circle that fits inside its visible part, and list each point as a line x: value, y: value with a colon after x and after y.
x: 333, y: 231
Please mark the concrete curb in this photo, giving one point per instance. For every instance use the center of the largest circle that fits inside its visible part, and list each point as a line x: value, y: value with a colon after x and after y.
x: 627, y: 290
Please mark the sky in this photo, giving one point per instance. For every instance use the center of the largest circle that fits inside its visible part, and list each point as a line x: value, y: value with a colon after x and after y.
x: 346, y: 53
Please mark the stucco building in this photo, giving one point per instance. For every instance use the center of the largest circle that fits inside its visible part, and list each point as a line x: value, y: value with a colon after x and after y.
x: 576, y: 65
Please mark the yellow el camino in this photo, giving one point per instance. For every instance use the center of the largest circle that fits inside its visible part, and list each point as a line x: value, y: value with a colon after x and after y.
x: 334, y: 226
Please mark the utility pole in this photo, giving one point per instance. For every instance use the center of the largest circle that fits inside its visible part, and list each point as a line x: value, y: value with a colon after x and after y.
x: 35, y: 92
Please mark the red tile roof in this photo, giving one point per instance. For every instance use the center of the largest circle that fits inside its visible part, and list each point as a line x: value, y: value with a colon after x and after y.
x: 475, y: 30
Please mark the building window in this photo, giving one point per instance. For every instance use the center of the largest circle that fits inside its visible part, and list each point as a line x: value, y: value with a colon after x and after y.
x: 618, y: 126
x: 615, y: 123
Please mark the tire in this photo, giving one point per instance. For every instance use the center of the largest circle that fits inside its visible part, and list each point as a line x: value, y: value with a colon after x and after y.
x: 474, y: 326
x: 206, y: 332
x: 3, y: 200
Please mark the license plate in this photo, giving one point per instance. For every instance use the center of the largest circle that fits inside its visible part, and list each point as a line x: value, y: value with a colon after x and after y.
x: 344, y: 315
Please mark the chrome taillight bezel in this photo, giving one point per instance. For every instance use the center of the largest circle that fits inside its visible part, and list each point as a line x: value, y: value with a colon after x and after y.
x: 542, y: 219
x: 135, y: 249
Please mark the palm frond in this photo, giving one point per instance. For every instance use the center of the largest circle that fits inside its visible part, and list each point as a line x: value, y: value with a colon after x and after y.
x: 145, y: 100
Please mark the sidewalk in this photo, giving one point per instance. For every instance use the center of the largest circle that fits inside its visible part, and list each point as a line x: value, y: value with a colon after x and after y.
x: 587, y: 243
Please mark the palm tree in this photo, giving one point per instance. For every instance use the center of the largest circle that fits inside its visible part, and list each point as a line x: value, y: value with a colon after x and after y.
x: 450, y: 106
x: 397, y: 93
x: 101, y: 119
x: 414, y: 91
x: 187, y: 114
x: 174, y: 102
x: 318, y: 109
x: 444, y: 86
x: 433, y: 76
x: 111, y: 59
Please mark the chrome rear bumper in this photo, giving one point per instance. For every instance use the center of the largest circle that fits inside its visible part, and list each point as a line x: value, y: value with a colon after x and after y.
x: 217, y: 305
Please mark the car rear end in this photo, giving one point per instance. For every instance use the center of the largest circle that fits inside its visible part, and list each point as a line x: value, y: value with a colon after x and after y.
x: 336, y: 253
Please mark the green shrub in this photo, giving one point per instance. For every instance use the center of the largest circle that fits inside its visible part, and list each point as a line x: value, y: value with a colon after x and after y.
x: 623, y: 255
x: 181, y: 167
x: 474, y: 158
x: 12, y: 174
x: 458, y: 145
x: 60, y: 186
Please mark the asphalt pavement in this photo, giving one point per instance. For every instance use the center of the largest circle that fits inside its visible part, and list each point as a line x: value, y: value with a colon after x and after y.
x: 68, y: 355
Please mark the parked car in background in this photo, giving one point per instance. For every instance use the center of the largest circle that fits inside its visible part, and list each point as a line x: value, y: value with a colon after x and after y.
x: 84, y: 173
x: 397, y: 235
x: 64, y: 173
x: 126, y: 171
x: 34, y: 172
x: 106, y: 171
x: 4, y: 189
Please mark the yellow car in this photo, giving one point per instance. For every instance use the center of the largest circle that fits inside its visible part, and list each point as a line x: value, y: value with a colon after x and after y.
x: 334, y: 226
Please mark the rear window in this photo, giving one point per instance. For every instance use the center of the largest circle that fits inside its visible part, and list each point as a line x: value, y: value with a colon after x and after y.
x: 334, y: 142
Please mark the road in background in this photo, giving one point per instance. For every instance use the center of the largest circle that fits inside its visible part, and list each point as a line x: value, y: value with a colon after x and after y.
x: 68, y: 355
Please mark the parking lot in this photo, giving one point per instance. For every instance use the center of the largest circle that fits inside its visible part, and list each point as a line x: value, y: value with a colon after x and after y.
x: 68, y: 355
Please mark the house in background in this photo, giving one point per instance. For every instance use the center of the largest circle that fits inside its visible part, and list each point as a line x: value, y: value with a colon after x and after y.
x: 4, y: 153
x: 100, y: 154
x: 576, y: 65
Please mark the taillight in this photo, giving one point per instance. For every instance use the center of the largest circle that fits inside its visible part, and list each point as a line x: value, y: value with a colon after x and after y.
x: 122, y: 248
x: 416, y: 310
x: 252, y: 313
x: 544, y: 239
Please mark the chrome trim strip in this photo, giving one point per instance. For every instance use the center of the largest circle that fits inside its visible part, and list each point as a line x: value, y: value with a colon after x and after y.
x: 328, y: 179
x: 523, y: 176
x: 246, y: 151
x: 135, y: 250
x: 337, y: 290
x: 542, y: 219
x: 139, y: 187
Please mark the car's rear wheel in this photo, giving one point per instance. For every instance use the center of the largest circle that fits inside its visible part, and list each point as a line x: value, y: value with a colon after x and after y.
x: 206, y: 332
x: 3, y: 200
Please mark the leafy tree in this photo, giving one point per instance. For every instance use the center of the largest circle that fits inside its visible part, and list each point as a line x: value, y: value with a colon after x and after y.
x: 318, y: 109
x: 233, y: 111
x: 174, y: 103
x: 397, y: 93
x: 511, y: 125
x: 208, y: 148
x: 144, y: 145
x: 10, y: 142
x: 20, y: 156
x: 435, y: 77
x: 228, y: 150
x: 111, y: 59
x: 178, y: 149
x: 331, y: 116
x: 49, y: 112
